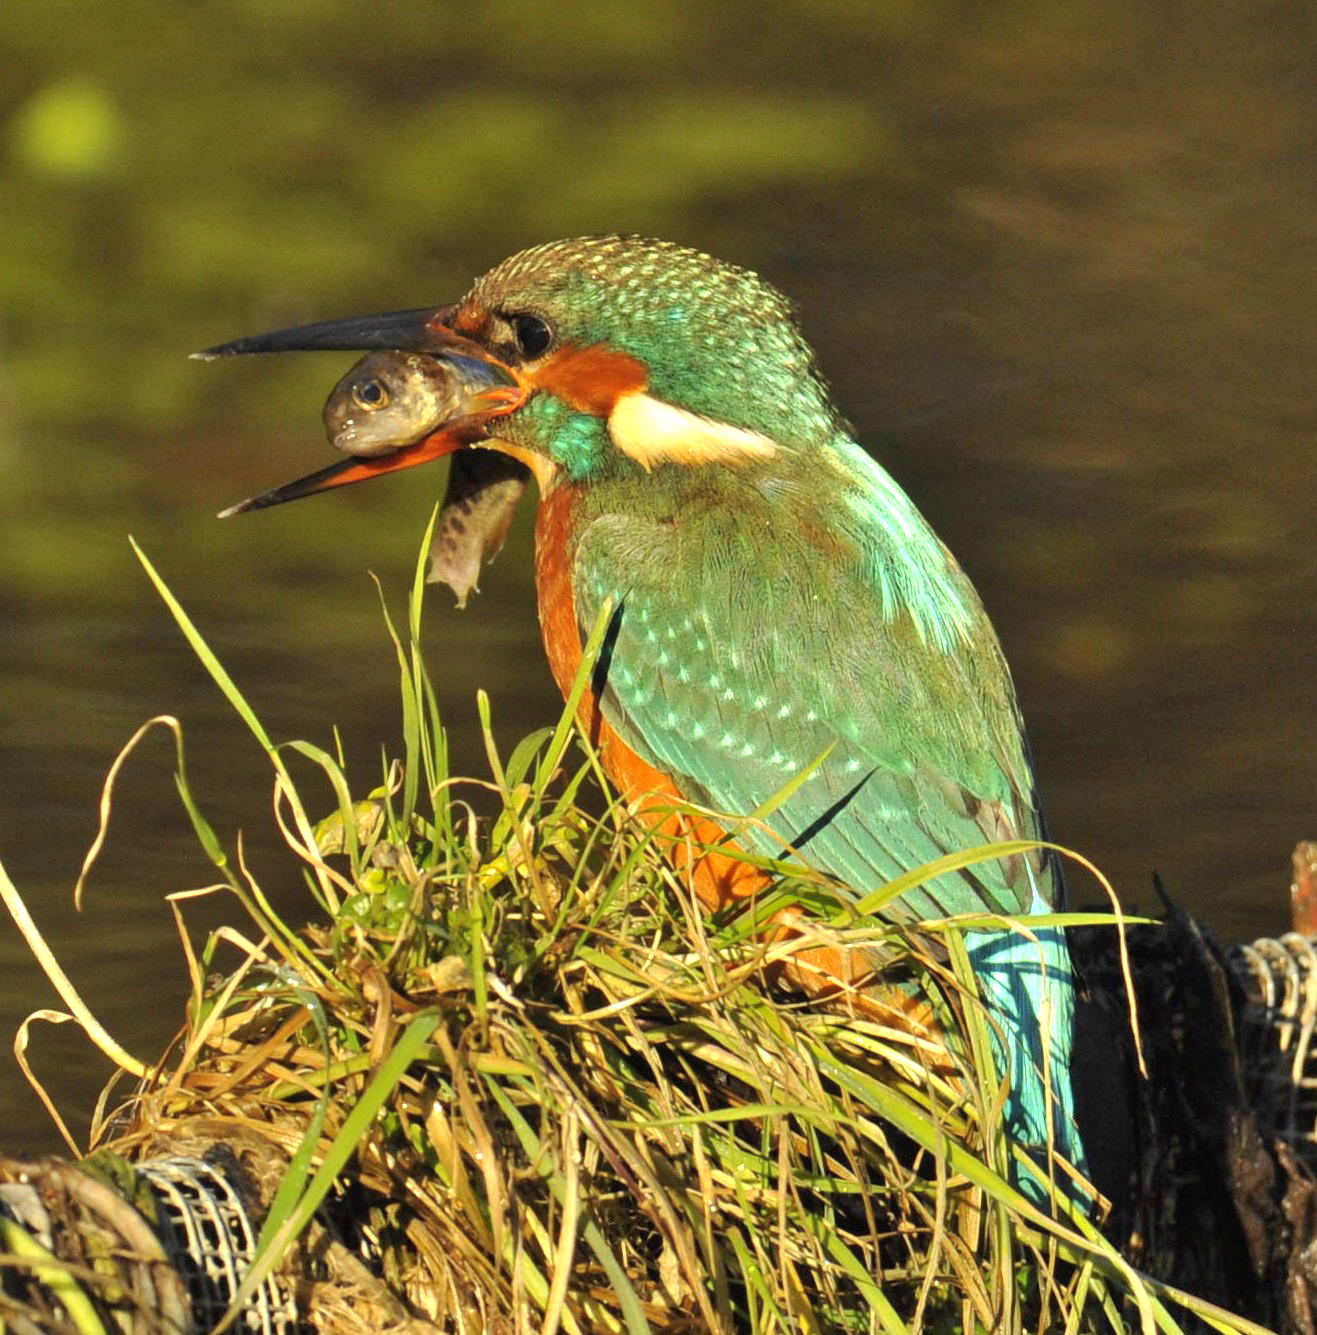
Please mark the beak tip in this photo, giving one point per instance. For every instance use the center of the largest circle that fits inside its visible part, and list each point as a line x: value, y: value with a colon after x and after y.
x: 230, y: 349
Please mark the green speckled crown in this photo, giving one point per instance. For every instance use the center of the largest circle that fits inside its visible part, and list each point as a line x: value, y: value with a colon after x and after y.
x: 718, y: 340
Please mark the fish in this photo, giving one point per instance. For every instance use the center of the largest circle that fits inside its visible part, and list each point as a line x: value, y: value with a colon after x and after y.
x: 391, y: 399
x: 394, y: 403
x: 484, y: 487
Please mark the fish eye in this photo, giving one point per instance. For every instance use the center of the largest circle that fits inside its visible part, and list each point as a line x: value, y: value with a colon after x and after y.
x: 533, y: 333
x: 370, y: 394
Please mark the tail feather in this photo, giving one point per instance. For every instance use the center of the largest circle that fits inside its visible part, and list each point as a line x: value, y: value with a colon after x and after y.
x: 1027, y: 982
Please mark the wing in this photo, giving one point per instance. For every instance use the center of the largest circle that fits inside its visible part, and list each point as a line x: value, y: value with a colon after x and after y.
x: 758, y: 627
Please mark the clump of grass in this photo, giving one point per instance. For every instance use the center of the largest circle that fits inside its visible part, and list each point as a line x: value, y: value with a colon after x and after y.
x: 520, y: 1082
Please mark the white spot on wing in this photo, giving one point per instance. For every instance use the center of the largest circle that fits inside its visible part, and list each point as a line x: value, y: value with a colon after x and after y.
x: 653, y: 432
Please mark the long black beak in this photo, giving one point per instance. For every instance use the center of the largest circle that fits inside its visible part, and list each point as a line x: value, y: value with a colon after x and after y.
x: 422, y: 330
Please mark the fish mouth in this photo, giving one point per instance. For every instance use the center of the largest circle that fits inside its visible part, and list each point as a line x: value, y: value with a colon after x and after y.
x: 426, y: 330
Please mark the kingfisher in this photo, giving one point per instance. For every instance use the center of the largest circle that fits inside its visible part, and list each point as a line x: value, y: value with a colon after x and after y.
x: 776, y: 606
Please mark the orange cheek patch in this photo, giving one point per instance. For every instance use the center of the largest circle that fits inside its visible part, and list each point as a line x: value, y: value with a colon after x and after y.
x: 592, y: 379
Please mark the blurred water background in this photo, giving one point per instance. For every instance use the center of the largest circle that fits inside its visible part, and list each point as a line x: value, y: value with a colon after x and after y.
x: 1058, y: 260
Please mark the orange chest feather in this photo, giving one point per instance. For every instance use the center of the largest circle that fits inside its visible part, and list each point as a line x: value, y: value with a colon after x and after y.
x: 553, y: 586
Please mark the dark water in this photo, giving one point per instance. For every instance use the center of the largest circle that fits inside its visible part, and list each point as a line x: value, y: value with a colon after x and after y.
x: 1069, y: 299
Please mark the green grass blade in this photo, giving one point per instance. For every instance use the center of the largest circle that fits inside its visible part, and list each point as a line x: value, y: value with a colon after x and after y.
x: 793, y: 785
x: 567, y: 719
x: 204, y: 652
x: 54, y: 1273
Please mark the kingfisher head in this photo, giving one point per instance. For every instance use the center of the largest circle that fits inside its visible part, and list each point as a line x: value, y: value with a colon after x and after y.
x: 628, y: 354
x: 639, y: 353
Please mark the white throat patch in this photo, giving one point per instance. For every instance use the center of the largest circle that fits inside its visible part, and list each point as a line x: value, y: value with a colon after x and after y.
x: 653, y: 432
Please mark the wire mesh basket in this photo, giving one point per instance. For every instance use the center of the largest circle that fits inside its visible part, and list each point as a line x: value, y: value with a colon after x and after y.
x: 1276, y: 1036
x: 156, y: 1248
x: 209, y: 1237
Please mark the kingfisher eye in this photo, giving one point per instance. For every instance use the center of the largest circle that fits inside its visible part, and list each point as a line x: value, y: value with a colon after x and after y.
x: 370, y: 394
x: 534, y: 334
